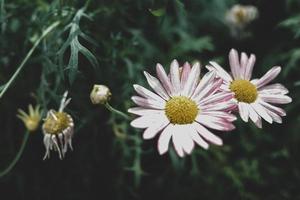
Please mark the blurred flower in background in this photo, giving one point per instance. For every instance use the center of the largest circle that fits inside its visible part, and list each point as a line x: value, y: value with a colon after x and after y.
x: 182, y: 108
x: 254, y: 97
x: 58, y: 130
x: 238, y: 17
x: 32, y: 119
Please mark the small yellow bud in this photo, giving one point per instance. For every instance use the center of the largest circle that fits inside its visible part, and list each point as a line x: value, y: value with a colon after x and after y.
x: 32, y: 119
x: 100, y: 94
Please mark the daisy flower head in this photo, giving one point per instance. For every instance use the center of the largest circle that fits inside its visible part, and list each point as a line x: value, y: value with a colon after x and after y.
x: 32, y: 119
x: 254, y: 97
x: 182, y: 108
x: 58, y: 130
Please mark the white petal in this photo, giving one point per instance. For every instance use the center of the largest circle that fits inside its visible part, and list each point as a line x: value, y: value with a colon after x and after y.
x: 268, y: 77
x: 259, y: 109
x: 177, y: 140
x: 196, y: 137
x: 210, y: 89
x: 277, y: 110
x: 192, y: 80
x: 206, y: 134
x: 204, y: 82
x: 254, y: 116
x: 142, y: 111
x: 221, y: 114
x: 249, y: 67
x: 147, y: 93
x: 164, y: 139
x: 215, y: 122
x: 220, y: 71
x: 276, y: 118
x: 276, y: 88
x: 175, y: 76
x: 148, y: 103
x: 186, y: 141
x: 164, y: 79
x: 223, y: 106
x: 234, y: 63
x: 156, y: 86
x: 244, y: 61
x: 276, y: 99
x: 146, y: 120
x: 155, y: 128
x: 243, y: 110
x: 218, y: 97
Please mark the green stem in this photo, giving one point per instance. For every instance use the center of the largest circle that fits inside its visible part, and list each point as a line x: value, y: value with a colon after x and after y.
x: 44, y: 34
x: 18, y: 156
x: 113, y: 110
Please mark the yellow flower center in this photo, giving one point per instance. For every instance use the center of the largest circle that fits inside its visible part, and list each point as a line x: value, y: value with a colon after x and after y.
x: 57, y: 123
x: 244, y: 91
x: 181, y: 110
x: 241, y: 15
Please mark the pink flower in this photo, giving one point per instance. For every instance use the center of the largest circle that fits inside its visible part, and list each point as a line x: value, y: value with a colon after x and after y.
x: 181, y: 108
x: 253, y: 97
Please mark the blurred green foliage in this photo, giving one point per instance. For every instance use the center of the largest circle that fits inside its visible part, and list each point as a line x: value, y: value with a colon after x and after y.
x: 112, y: 43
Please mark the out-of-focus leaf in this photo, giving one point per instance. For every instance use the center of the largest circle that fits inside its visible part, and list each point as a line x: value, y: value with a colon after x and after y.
x: 158, y: 12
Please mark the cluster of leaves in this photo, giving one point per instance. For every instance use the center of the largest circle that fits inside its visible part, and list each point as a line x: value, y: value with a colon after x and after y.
x: 111, y: 43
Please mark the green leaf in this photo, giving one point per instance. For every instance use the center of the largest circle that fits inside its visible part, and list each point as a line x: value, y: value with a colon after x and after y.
x: 158, y: 12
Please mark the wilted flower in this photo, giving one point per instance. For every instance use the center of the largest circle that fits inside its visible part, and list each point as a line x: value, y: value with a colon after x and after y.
x: 58, y: 130
x: 100, y: 94
x: 32, y: 119
x: 239, y: 16
x: 253, y: 97
x: 182, y: 108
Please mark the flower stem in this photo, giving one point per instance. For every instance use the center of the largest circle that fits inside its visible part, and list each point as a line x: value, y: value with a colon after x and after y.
x: 44, y: 34
x: 113, y: 110
x: 18, y: 156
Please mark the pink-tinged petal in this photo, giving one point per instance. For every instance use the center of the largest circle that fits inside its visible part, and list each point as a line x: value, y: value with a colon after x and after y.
x: 224, y: 106
x: 234, y: 63
x: 196, y: 138
x: 192, y: 81
x: 220, y: 71
x: 215, y: 123
x: 155, y: 128
x: 254, y: 116
x: 261, y: 111
x: 227, y: 116
x: 164, y: 139
x: 276, y: 118
x: 164, y: 79
x: 148, y: 103
x: 206, y: 134
x: 175, y: 76
x: 276, y: 99
x: 177, y: 140
x: 185, y: 74
x: 146, y: 121
x: 276, y: 88
x: 143, y: 111
x: 268, y: 77
x: 204, y: 82
x: 243, y: 110
x: 156, y: 86
x: 249, y: 67
x: 147, y: 93
x: 277, y: 110
x: 216, y: 98
x: 210, y: 89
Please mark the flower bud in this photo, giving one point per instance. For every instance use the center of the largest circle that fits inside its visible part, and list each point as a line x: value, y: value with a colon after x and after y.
x: 100, y: 94
x: 32, y: 119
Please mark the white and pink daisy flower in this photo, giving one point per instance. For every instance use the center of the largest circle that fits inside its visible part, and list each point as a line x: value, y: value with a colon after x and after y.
x: 182, y: 107
x: 253, y: 97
